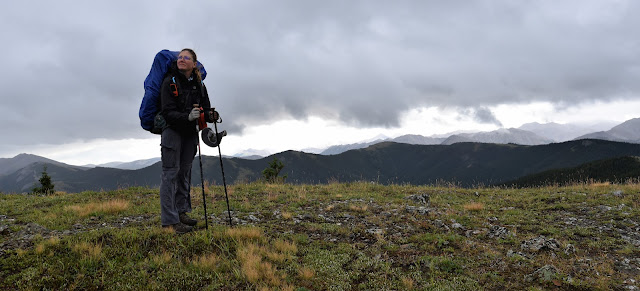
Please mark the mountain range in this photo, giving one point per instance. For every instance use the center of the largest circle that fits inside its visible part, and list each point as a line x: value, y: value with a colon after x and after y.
x: 21, y: 173
x: 527, y: 134
x: 464, y: 164
x: 628, y: 131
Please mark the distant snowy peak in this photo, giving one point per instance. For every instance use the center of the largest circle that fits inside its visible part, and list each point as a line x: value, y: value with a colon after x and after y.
x: 628, y: 131
x: 134, y: 165
x: 500, y: 136
x: 564, y: 132
x: 418, y: 139
x: 252, y: 154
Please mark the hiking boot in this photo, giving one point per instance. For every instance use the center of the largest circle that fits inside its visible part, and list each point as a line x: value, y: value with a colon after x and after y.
x: 180, y: 228
x: 184, y: 218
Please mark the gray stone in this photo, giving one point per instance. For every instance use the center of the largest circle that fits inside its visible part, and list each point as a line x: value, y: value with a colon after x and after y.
x: 569, y: 249
x: 253, y: 218
x: 605, y: 208
x: 540, y: 243
x: 420, y: 198
x: 374, y: 231
x: 544, y: 274
x: 498, y: 232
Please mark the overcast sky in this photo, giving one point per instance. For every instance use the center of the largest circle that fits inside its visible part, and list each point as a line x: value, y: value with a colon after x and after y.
x: 299, y: 74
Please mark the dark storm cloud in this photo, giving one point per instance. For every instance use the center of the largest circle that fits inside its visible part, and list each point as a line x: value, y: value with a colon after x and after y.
x: 79, y: 77
x: 482, y: 115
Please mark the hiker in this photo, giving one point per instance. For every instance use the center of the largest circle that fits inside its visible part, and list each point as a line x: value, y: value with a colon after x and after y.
x: 182, y: 94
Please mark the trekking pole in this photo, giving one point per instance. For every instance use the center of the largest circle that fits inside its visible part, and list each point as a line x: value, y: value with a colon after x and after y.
x: 224, y: 181
x: 204, y: 200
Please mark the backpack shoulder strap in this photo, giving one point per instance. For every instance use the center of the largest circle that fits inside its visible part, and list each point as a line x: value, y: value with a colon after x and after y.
x: 174, y: 86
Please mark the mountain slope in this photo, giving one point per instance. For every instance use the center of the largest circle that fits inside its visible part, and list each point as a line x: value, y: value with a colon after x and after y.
x: 467, y: 164
x: 10, y: 165
x: 502, y: 136
x: 616, y: 170
x: 563, y: 132
x: 628, y: 131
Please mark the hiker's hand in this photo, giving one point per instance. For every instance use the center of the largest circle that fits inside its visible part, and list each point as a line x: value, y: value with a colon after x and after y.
x: 213, y: 115
x: 194, y: 114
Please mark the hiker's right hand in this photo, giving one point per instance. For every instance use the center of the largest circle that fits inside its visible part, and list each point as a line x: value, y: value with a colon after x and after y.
x: 194, y: 114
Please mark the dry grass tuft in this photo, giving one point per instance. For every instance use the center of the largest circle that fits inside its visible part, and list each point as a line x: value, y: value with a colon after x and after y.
x: 287, y: 215
x: 244, y: 233
x: 250, y: 262
x: 40, y: 248
x: 361, y: 208
x: 254, y: 268
x: 596, y: 184
x: 306, y: 273
x: 109, y: 207
x: 53, y: 241
x: 88, y: 250
x: 473, y: 206
x: 408, y: 283
x: 162, y: 258
x: 285, y: 247
x: 206, y: 261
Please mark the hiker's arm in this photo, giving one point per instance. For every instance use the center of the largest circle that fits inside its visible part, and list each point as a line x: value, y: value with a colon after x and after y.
x: 170, y: 107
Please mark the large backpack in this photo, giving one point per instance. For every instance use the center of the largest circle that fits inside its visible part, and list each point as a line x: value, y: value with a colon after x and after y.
x: 150, y: 107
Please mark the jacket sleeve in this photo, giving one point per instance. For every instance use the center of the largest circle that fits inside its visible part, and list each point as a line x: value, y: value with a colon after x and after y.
x: 171, y: 110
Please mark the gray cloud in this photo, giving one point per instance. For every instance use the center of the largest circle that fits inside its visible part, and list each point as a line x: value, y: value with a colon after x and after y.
x: 79, y: 77
x: 484, y: 115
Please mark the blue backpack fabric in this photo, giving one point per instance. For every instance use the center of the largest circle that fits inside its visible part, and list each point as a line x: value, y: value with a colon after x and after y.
x: 151, y: 101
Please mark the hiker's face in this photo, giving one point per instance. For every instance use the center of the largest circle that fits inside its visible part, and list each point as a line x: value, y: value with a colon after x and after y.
x: 185, y: 61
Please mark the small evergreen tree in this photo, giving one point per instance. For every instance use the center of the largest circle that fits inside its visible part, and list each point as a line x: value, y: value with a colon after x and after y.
x: 271, y: 173
x: 46, y: 186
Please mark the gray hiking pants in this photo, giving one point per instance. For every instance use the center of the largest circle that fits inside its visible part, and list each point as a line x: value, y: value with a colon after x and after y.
x: 177, y: 156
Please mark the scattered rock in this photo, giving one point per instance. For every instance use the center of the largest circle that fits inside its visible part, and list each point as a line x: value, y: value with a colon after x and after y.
x: 628, y: 265
x: 605, y: 208
x: 420, y: 198
x: 544, y: 274
x: 569, y: 250
x: 420, y: 210
x: 496, y: 231
x: 375, y: 231
x: 327, y: 219
x: 511, y: 253
x: 617, y: 193
x: 4, y: 230
x: 472, y: 232
x: 438, y: 223
x: 540, y: 243
x: 630, y: 284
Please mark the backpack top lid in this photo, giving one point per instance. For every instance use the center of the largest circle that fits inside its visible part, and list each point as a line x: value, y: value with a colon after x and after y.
x: 151, y: 101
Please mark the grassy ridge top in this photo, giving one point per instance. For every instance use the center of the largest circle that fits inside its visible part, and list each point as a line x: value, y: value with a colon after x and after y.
x: 328, y: 237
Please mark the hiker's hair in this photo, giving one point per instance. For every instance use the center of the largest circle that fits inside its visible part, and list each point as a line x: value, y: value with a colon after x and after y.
x: 196, y: 71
